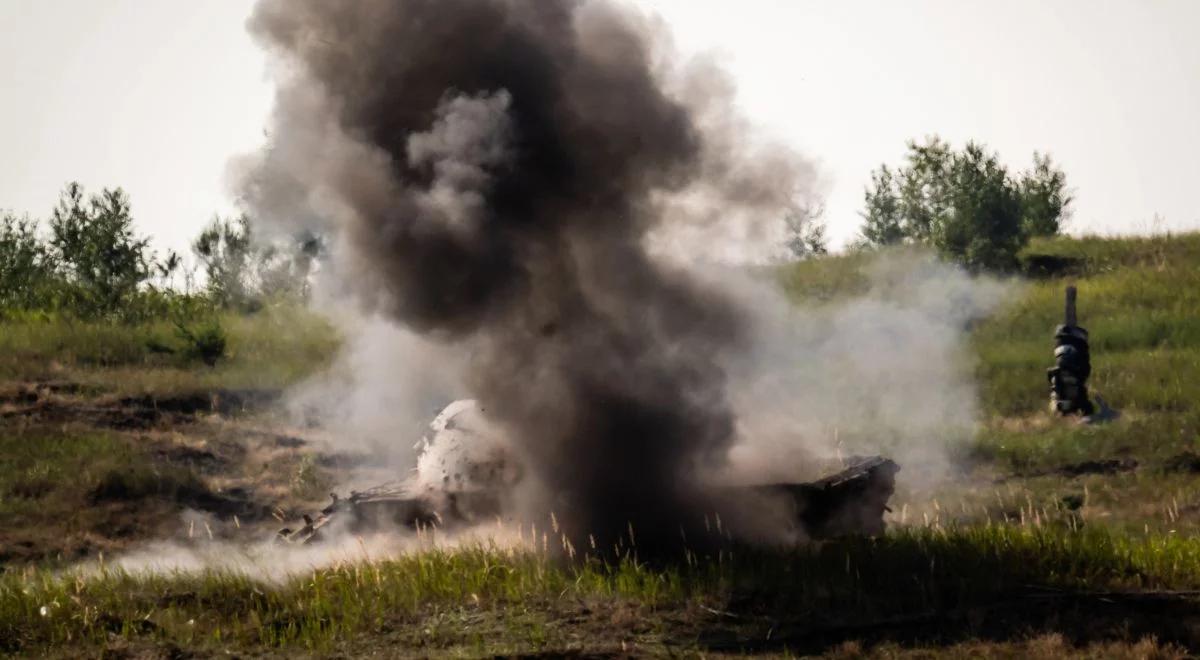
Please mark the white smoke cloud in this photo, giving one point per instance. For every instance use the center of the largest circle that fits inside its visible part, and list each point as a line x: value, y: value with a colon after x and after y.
x: 886, y: 372
x: 385, y: 386
x: 268, y: 561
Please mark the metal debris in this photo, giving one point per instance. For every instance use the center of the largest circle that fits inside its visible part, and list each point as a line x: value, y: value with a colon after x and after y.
x: 463, y: 477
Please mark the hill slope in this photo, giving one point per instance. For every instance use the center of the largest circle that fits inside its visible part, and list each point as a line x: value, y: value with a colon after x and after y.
x: 1058, y: 538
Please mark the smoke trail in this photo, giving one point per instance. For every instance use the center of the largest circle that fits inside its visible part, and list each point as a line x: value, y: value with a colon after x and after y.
x: 492, y: 171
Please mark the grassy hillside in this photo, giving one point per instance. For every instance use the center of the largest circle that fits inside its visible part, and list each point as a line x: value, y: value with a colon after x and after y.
x: 269, y: 349
x: 1060, y: 538
x: 1140, y: 300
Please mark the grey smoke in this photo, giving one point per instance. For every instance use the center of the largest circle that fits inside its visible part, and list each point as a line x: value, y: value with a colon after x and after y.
x: 491, y: 173
x: 885, y: 372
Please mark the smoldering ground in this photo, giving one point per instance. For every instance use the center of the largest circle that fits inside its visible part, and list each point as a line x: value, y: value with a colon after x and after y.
x: 490, y: 171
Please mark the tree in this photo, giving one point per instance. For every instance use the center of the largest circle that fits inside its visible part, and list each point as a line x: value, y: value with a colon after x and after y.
x: 1045, y: 199
x: 96, y: 249
x: 964, y: 204
x: 883, y: 223
x: 26, y: 268
x: 167, y: 267
x: 242, y: 271
x: 225, y: 252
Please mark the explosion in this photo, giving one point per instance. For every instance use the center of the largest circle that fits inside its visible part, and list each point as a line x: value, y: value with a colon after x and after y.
x: 513, y: 177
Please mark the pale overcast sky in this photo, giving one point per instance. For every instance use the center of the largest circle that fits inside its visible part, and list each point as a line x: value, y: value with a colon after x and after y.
x: 156, y: 95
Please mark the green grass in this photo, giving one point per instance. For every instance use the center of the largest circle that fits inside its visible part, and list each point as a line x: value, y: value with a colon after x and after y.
x: 1140, y: 300
x: 1016, y: 522
x: 270, y: 349
x: 67, y: 491
x: 908, y: 572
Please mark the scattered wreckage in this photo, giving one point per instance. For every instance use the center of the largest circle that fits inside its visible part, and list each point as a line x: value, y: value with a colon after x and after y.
x: 463, y: 473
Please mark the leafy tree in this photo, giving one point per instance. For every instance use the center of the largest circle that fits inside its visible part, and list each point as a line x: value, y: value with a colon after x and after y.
x: 964, y: 203
x: 241, y: 271
x: 883, y: 222
x: 96, y: 250
x: 167, y: 267
x: 225, y: 252
x: 26, y: 268
x: 1045, y: 199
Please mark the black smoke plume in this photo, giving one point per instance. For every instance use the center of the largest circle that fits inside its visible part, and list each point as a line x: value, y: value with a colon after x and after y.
x: 494, y: 171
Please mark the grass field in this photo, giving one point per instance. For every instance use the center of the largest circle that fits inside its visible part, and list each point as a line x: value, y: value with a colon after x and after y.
x: 1061, y: 539
x: 273, y: 348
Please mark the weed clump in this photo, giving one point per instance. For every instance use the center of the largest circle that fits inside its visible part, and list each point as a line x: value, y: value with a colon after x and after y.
x: 206, y: 343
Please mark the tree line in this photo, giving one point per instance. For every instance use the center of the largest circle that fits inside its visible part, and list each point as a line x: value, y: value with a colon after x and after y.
x: 962, y: 203
x: 88, y: 261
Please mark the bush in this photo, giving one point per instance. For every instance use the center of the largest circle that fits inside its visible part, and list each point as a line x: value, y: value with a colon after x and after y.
x: 964, y: 203
x: 206, y: 343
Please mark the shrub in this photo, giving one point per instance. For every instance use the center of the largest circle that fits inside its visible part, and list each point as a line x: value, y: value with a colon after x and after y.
x: 206, y: 343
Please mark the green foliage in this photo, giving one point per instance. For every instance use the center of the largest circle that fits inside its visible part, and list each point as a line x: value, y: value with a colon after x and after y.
x: 225, y: 252
x: 271, y: 349
x: 884, y: 223
x: 206, y: 342
x: 26, y: 270
x: 242, y: 273
x: 93, y: 265
x: 99, y: 255
x: 964, y: 203
x: 1044, y: 198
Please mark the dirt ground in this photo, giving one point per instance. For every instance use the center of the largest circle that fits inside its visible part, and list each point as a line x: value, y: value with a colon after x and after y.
x: 87, y: 473
x: 220, y: 454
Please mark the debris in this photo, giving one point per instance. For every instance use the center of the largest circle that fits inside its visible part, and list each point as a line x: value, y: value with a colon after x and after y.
x: 465, y: 471
x: 851, y: 502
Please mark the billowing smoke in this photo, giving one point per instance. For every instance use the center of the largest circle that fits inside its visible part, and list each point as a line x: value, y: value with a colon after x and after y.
x: 491, y: 173
x: 887, y: 371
